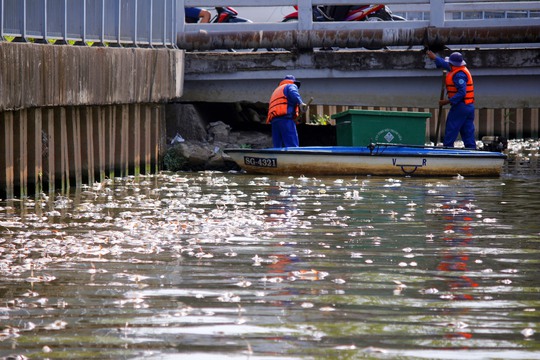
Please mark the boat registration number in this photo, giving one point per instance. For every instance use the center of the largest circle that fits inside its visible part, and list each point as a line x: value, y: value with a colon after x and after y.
x: 260, y: 162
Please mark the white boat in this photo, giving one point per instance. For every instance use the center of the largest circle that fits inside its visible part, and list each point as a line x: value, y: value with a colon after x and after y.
x: 377, y: 159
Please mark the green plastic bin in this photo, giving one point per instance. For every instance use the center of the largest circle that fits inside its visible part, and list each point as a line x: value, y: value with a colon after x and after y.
x: 362, y: 127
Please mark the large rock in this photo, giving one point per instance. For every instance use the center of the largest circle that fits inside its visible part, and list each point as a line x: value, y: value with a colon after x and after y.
x: 188, y: 155
x: 193, y: 155
x: 185, y: 120
x: 218, y: 131
x: 197, y: 137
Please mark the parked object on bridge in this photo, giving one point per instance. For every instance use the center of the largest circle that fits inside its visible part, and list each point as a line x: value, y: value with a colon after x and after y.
x: 374, y: 12
x: 227, y: 14
x: 195, y: 15
x: 224, y: 14
x: 375, y: 159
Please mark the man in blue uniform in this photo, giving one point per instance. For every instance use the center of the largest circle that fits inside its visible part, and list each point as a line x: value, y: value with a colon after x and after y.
x: 284, y: 108
x: 460, y: 91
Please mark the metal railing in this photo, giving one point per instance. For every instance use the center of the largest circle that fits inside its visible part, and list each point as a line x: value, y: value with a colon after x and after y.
x: 90, y: 22
x: 158, y: 22
x: 430, y: 13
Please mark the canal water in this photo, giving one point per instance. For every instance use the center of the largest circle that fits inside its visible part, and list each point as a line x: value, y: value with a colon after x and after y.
x: 233, y: 266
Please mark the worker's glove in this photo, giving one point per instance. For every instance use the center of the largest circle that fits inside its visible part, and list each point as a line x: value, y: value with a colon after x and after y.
x: 303, y: 107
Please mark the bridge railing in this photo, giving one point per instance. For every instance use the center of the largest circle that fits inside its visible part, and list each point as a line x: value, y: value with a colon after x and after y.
x: 158, y: 22
x: 90, y: 22
x: 434, y: 13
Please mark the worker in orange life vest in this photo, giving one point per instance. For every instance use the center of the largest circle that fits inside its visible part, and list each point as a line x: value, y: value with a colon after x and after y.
x: 284, y: 108
x: 460, y: 91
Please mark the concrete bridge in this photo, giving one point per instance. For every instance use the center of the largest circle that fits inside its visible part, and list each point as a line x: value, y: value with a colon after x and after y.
x: 501, y: 50
x: 93, y: 105
x: 390, y: 78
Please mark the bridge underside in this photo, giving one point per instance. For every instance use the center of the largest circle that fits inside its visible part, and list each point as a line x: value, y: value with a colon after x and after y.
x: 397, y: 77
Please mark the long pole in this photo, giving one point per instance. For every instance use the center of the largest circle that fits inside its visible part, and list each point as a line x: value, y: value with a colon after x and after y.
x: 439, y: 119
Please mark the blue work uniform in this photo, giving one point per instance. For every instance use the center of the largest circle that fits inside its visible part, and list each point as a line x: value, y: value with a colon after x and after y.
x: 284, y: 133
x: 460, y: 118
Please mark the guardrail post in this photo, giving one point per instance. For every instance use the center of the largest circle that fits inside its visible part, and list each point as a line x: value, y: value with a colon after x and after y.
x: 119, y: 24
x: 102, y: 30
x: 83, y: 41
x: 437, y: 13
x: 84, y: 23
x: 180, y: 17
x: 64, y: 40
x: 172, y: 26
x: 45, y: 19
x: 2, y: 20
x: 135, y: 25
x: 150, y: 24
x: 22, y: 37
x: 305, y: 17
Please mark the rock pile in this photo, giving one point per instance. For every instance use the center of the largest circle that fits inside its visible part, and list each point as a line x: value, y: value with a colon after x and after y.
x: 195, y: 144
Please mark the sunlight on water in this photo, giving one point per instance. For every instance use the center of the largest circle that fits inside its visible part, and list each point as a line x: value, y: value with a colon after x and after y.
x: 219, y: 266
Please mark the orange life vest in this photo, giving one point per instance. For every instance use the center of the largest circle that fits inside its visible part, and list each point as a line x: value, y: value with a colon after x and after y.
x: 278, y: 102
x: 451, y: 89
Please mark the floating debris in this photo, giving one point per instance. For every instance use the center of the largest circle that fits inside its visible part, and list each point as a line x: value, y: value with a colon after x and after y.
x: 374, y: 350
x: 429, y: 291
x: 56, y: 325
x: 243, y: 283
x: 179, y: 255
x: 327, y: 309
x: 311, y: 275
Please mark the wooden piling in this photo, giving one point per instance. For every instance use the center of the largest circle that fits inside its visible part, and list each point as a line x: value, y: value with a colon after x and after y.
x: 111, y: 148
x: 147, y: 119
x: 8, y: 154
x: 35, y: 149
x: 135, y: 115
x: 21, y: 158
x: 51, y: 150
x: 88, y: 144
x: 100, y: 150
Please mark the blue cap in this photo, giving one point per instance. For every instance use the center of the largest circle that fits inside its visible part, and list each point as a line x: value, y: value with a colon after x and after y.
x: 293, y: 79
x: 456, y: 59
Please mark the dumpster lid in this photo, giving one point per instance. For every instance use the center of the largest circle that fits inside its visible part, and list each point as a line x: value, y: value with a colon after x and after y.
x: 380, y: 113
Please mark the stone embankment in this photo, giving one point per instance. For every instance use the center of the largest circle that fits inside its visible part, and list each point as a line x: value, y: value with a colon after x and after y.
x: 197, y: 134
x: 194, y: 143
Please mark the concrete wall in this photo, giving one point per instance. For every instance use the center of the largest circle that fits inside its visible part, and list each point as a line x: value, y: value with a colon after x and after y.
x: 504, y: 78
x: 72, y: 114
x: 34, y: 75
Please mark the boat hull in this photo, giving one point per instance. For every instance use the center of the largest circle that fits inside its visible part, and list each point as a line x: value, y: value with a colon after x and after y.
x: 380, y: 160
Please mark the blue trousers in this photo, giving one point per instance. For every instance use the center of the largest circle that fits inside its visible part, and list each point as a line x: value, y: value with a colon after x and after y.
x: 460, y: 121
x: 284, y: 133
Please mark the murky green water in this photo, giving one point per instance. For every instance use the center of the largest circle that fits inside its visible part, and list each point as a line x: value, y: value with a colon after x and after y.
x: 223, y: 266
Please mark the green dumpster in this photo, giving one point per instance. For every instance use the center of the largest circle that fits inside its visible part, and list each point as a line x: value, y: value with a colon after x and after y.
x: 362, y: 127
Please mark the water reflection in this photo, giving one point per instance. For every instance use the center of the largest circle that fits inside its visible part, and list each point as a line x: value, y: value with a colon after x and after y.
x: 460, y: 214
x: 233, y: 266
